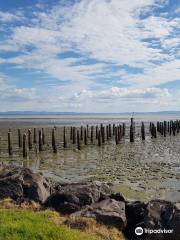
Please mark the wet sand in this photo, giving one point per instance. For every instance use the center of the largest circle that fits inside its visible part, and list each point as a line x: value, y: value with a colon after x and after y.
x: 141, y: 170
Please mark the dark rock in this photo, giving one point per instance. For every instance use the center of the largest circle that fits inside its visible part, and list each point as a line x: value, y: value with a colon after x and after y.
x: 109, y: 212
x: 10, y: 189
x: 72, y: 197
x: 21, y: 183
x: 117, y: 197
x: 135, y: 218
x: 155, y: 215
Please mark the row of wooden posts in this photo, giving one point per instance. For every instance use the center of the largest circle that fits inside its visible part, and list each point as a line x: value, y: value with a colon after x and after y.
x: 82, y: 134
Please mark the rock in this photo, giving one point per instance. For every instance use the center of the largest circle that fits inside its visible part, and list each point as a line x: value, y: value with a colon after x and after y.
x: 117, y: 197
x: 135, y: 218
x: 156, y: 215
x: 109, y: 212
x: 21, y: 183
x: 70, y: 198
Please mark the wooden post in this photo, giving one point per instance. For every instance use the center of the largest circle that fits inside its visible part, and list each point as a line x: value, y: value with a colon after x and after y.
x: 124, y: 129
x: 19, y: 138
x: 43, y: 136
x: 96, y: 132
x: 74, y: 135
x: 81, y: 133
x: 114, y: 129
x: 64, y: 138
x: 99, y: 137
x: 107, y: 132
x: 92, y: 133
x: 85, y: 136
x: 87, y: 131
x: 165, y: 128
x: 103, y: 134
x: 116, y: 135
x: 78, y: 141
x: 35, y: 136
x: 40, y: 141
x: 54, y: 146
x: 110, y: 133
x: 29, y: 139
x: 25, y: 151
x: 131, y: 133
x: 143, y: 131
x: 10, y: 143
x: 71, y: 133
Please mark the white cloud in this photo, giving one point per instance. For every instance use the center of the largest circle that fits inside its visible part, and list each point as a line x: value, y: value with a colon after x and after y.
x: 110, y: 32
x: 9, y: 17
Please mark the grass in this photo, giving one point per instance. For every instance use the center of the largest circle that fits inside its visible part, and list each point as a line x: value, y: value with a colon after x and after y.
x: 27, y: 221
x: 28, y: 225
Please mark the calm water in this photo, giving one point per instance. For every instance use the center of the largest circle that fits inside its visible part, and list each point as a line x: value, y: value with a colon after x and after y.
x: 142, y: 170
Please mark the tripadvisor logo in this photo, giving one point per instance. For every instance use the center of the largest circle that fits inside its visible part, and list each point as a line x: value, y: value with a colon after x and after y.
x: 139, y: 231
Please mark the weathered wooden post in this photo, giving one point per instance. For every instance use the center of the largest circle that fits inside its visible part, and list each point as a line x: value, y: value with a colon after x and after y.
x: 165, y: 128
x: 0, y: 145
x: 64, y: 138
x: 81, y: 133
x: 168, y: 127
x: 54, y: 146
x: 92, y: 134
x: 43, y: 136
x: 25, y: 151
x: 19, y: 138
x: 99, y: 137
x: 40, y: 141
x: 114, y: 129
x: 78, y: 141
x: 10, y: 151
x: 107, y: 132
x: 143, y: 131
x: 124, y: 129
x: 74, y: 135
x: 87, y: 130
x: 132, y: 128
x: 110, y: 133
x: 103, y: 134
x: 116, y: 135
x: 131, y: 133
x: 35, y: 136
x: 29, y: 139
x: 85, y: 136
x: 96, y: 132
x: 154, y: 132
x: 71, y: 133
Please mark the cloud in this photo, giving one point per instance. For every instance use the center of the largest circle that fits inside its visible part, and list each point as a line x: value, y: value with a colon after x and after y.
x: 97, y: 46
x: 10, y: 17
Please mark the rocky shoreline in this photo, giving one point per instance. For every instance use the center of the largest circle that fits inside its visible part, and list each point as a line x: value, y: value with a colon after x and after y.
x: 93, y: 200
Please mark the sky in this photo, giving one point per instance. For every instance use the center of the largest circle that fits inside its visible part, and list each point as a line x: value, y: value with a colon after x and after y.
x: 89, y: 55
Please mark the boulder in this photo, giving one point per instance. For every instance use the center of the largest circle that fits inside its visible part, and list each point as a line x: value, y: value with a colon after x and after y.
x: 21, y: 183
x: 70, y: 198
x: 155, y: 215
x: 109, y: 212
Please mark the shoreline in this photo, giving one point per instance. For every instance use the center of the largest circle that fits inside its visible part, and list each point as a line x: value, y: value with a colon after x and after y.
x: 89, y: 200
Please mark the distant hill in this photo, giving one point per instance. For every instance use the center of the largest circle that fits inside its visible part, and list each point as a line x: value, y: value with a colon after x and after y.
x: 81, y: 113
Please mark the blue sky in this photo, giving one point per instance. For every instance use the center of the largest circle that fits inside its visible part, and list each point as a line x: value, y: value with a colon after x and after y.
x: 90, y: 56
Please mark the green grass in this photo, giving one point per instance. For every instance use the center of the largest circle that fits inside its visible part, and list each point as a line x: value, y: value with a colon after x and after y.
x: 28, y: 225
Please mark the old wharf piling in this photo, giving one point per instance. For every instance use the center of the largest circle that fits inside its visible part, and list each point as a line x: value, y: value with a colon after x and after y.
x: 27, y: 141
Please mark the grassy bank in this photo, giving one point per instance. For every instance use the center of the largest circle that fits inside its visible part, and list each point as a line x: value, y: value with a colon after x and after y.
x: 21, y: 225
x: 27, y: 222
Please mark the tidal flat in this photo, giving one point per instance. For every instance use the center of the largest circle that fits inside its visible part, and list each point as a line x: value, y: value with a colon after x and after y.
x: 142, y: 170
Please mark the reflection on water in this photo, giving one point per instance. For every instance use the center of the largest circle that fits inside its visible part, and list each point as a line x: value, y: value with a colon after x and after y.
x: 140, y: 170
